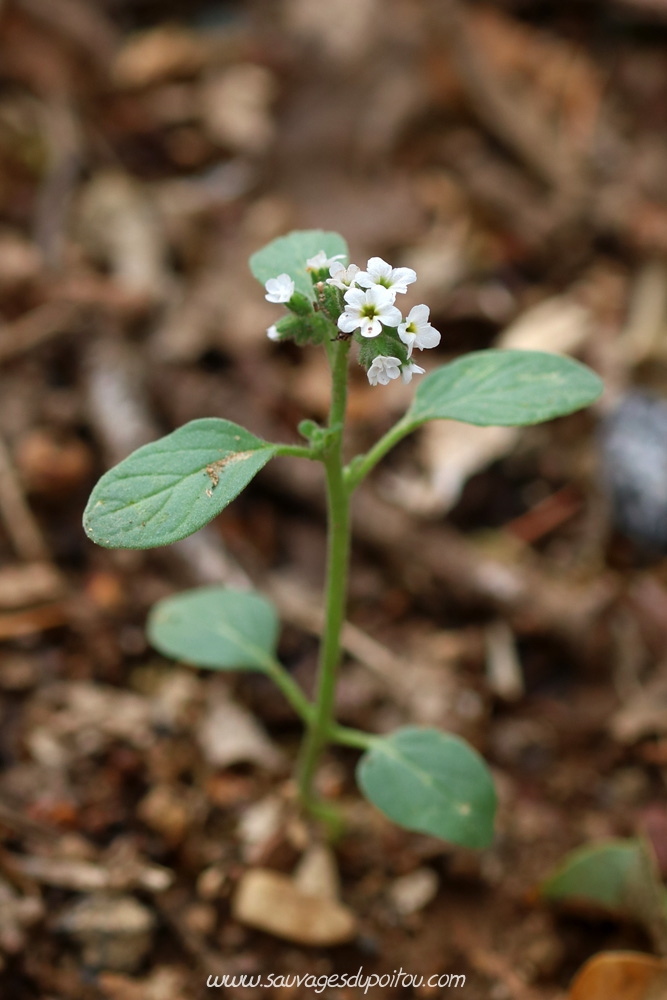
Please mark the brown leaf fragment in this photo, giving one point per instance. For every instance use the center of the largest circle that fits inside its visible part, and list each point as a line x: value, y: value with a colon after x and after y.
x: 644, y: 714
x: 17, y: 913
x: 622, y: 975
x: 163, y: 53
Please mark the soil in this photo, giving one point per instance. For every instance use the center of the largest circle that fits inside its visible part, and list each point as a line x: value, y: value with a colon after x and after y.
x: 512, y: 153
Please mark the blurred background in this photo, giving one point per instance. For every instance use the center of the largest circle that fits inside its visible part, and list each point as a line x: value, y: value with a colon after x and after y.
x: 509, y: 586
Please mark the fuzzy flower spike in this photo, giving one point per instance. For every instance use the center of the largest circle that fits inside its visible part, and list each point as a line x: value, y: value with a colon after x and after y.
x: 368, y: 311
x: 416, y: 331
x: 379, y: 272
x: 280, y: 289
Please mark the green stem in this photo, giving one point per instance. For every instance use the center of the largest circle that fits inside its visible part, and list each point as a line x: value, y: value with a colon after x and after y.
x: 338, y: 550
x: 348, y: 737
x: 290, y: 689
x: 360, y: 466
x: 296, y: 451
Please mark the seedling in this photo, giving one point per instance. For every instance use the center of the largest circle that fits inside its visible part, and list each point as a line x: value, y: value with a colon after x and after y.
x: 421, y: 778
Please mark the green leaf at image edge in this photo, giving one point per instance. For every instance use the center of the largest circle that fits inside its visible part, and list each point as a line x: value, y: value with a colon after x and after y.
x: 616, y: 876
x: 504, y: 388
x: 172, y: 487
x: 430, y: 782
x: 215, y: 627
x: 288, y: 255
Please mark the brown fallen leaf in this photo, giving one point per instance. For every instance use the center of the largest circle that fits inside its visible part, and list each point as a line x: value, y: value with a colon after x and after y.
x: 622, y: 975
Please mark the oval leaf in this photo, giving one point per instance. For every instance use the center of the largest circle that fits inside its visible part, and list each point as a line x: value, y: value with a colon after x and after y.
x: 430, y: 782
x: 173, y: 487
x: 505, y: 389
x: 215, y: 627
x: 288, y: 255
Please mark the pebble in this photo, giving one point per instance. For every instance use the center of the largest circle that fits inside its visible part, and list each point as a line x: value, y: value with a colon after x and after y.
x: 633, y: 445
x: 270, y: 901
x: 411, y: 893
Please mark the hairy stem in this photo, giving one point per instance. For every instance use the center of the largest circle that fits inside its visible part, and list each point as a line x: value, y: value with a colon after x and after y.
x: 338, y: 551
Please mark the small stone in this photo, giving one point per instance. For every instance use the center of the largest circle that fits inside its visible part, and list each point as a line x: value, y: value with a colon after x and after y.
x: 633, y: 444
x: 411, y: 893
x: 270, y: 901
x: 200, y: 919
x: 259, y: 825
x: 115, y: 932
x: 210, y: 882
x: 165, y: 810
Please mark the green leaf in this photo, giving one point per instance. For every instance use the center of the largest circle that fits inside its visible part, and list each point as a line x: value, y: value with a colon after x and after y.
x: 288, y: 255
x: 172, y: 487
x: 615, y: 876
x: 504, y: 388
x: 215, y: 627
x: 430, y: 782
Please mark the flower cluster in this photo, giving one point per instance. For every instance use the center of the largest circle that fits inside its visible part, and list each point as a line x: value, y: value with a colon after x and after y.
x: 360, y: 304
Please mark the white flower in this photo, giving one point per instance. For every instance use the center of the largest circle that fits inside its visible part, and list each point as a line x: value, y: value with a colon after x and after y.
x: 280, y: 289
x: 320, y: 261
x: 342, y: 277
x: 384, y: 369
x: 416, y: 331
x: 407, y: 371
x: 272, y: 333
x: 378, y: 272
x: 368, y: 310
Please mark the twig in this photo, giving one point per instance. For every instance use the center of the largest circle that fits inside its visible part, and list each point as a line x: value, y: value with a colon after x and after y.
x: 79, y: 22
x: 533, y: 600
x: 422, y: 689
x: 56, y: 190
x: 16, y: 624
x: 19, y: 520
x: 36, y: 327
x: 509, y: 119
x: 24, y: 824
x: 530, y: 598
